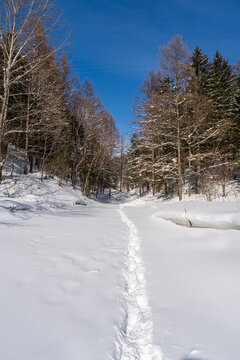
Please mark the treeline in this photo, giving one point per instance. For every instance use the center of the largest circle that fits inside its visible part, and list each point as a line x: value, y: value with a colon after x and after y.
x: 187, y: 129
x: 58, y: 122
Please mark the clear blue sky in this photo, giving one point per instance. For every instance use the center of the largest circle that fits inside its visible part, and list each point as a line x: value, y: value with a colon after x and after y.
x: 115, y: 42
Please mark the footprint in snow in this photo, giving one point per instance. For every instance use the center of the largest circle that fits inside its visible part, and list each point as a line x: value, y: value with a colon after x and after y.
x: 194, y: 355
x: 92, y: 271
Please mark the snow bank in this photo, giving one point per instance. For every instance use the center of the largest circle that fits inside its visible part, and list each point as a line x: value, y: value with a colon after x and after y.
x: 216, y: 215
x: 29, y: 193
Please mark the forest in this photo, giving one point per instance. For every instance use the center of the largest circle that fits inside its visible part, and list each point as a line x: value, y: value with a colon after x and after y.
x: 185, y: 136
x: 57, y: 122
x: 187, y: 130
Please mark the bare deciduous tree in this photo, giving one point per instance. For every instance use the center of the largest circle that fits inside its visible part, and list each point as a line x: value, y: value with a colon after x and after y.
x: 173, y: 61
x: 19, y: 20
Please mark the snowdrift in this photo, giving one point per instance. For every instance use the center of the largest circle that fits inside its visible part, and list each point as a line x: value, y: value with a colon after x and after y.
x: 29, y: 193
x: 202, y: 215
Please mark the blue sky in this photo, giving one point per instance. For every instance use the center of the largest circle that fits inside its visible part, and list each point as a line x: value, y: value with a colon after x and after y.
x: 115, y: 42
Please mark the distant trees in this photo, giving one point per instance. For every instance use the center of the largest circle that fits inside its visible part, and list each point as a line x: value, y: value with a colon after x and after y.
x: 187, y: 126
x: 93, y: 139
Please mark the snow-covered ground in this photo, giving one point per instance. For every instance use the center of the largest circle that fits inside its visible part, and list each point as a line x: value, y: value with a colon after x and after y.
x: 192, y: 277
x: 61, y: 277
x: 215, y: 215
x: 113, y: 279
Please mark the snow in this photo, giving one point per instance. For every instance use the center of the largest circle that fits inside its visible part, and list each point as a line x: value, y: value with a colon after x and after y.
x: 217, y: 215
x: 192, y: 278
x: 61, y: 275
x: 138, y: 334
x: 112, y: 279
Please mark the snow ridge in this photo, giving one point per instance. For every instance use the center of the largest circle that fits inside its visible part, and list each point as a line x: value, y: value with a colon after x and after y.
x: 137, y: 333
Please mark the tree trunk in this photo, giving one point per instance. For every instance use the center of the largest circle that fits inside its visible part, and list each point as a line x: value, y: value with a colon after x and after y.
x: 6, y: 87
x: 224, y: 189
x: 179, y: 157
x: 153, y: 173
x: 43, y: 159
x: 165, y: 190
x: 87, y: 177
x: 198, y: 174
x: 3, y: 117
x: 1, y: 162
x: 73, y: 181
x: 189, y: 171
x: 37, y: 163
x: 31, y: 164
x: 27, y: 137
x: 121, y: 164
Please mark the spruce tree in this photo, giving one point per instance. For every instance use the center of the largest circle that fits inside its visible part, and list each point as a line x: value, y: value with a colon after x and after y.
x: 222, y: 91
x: 200, y: 64
x: 221, y: 87
x: 234, y: 131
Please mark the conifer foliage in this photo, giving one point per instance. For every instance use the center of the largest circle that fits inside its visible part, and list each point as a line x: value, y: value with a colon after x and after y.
x: 187, y: 126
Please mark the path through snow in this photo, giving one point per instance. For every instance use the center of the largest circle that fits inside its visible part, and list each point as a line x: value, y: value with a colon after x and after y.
x: 137, y: 334
x: 61, y: 278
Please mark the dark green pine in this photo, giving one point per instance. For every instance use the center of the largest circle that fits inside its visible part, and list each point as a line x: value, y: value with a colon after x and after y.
x: 221, y: 87
x: 234, y: 132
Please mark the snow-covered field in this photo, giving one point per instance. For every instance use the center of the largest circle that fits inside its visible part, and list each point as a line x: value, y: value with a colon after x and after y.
x: 113, y: 279
x: 192, y: 277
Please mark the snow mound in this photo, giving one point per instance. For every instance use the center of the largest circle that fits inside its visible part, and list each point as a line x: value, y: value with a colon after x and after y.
x: 202, y: 215
x: 81, y: 202
x: 28, y: 193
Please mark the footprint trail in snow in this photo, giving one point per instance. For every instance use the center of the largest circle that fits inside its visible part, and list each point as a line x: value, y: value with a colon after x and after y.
x: 136, y: 340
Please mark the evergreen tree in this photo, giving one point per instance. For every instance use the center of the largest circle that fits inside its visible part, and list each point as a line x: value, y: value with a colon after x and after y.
x: 221, y: 87
x: 200, y: 64
x: 234, y: 131
x: 134, y: 163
